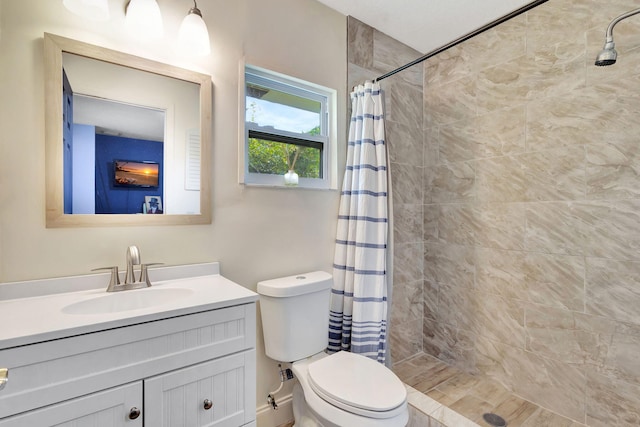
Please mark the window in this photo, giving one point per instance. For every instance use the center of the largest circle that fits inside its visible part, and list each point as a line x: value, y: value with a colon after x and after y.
x: 288, y: 127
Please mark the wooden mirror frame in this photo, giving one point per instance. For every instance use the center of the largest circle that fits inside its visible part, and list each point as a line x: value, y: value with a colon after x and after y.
x: 54, y: 46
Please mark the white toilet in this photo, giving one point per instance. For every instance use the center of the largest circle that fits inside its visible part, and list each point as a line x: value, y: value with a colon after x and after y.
x: 338, y: 390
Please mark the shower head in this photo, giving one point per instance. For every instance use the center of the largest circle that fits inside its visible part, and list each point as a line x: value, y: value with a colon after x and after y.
x: 608, y: 54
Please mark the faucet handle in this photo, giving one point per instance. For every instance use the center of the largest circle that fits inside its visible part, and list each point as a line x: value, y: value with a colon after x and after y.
x: 115, y: 277
x: 144, y: 275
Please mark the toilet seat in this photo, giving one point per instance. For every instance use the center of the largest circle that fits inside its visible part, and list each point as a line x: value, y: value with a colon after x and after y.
x: 357, y: 384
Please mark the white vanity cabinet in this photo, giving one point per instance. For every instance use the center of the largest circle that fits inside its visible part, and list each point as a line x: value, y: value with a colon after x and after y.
x: 188, y: 369
x: 109, y: 408
x: 208, y: 394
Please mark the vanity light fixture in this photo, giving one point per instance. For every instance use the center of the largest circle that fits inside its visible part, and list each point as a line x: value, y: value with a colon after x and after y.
x: 97, y: 10
x: 144, y: 19
x: 193, y: 37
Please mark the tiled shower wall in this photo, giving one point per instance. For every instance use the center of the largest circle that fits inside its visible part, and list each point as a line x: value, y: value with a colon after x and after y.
x: 371, y: 54
x: 518, y: 234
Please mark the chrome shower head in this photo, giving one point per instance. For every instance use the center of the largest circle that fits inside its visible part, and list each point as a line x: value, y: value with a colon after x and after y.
x: 608, y: 54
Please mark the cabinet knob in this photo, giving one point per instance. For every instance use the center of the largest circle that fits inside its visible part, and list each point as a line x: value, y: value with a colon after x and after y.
x: 208, y: 404
x: 134, y: 413
x: 4, y: 377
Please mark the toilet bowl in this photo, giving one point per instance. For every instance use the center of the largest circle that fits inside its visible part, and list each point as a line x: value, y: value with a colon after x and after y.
x: 346, y: 389
x: 338, y: 390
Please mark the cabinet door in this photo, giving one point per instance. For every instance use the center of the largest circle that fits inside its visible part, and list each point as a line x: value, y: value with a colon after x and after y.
x: 109, y: 408
x: 217, y: 393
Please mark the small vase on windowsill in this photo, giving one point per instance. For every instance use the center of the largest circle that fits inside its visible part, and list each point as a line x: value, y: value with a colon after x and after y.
x: 291, y: 178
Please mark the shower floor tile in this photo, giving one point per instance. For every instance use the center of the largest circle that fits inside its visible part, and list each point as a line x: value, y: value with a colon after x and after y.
x: 456, y: 399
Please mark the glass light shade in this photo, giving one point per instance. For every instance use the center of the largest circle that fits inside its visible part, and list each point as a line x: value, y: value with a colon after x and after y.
x: 97, y: 10
x: 144, y: 19
x: 193, y: 37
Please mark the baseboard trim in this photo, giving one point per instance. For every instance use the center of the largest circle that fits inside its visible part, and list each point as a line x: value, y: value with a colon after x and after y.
x: 267, y: 417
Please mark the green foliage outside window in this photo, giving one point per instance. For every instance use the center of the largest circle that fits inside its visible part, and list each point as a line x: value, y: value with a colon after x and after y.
x: 276, y: 158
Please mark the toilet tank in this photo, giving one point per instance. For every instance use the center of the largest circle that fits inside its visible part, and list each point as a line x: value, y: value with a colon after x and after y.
x: 295, y: 315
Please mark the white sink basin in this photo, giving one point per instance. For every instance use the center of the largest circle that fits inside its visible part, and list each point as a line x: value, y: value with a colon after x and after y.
x: 127, y: 300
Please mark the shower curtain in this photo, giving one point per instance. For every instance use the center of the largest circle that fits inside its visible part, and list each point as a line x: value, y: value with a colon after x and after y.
x: 358, y: 317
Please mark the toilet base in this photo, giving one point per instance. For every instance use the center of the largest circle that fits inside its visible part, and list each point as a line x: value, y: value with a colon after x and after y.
x: 313, y: 411
x: 302, y: 414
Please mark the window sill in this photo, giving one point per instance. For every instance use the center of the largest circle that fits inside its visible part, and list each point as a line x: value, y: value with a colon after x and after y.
x: 286, y: 187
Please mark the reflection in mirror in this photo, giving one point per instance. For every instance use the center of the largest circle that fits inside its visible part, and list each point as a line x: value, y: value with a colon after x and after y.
x: 103, y: 133
x: 107, y: 111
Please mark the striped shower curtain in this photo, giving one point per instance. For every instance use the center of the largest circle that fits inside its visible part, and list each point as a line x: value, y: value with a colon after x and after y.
x: 358, y: 317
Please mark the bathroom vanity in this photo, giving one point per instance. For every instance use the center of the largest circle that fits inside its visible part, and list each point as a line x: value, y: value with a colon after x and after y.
x: 181, y: 353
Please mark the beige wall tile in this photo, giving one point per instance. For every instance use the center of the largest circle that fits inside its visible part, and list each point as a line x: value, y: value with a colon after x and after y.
x: 557, y: 174
x: 403, y: 102
x: 549, y: 280
x: 407, y: 303
x: 448, y: 264
x: 566, y: 336
x: 454, y: 346
x: 430, y: 222
x: 486, y: 316
x: 408, y: 223
x: 612, y: 289
x: 458, y: 224
x: 613, y: 169
x: 452, y: 64
x: 500, y: 225
x: 557, y: 386
x: 405, y: 340
x: 449, y: 102
x: 582, y: 118
x: 505, y: 42
x: 612, y: 228
x: 389, y: 54
x: 621, y: 361
x: 360, y: 43
x: 430, y: 291
x: 407, y: 262
x: 490, y: 225
x: 495, y: 134
x: 525, y: 78
x: 357, y: 75
x: 612, y: 403
x: 555, y: 280
x: 405, y: 143
x: 407, y: 183
x: 501, y: 272
x: 557, y: 228
x: 431, y: 144
x: 452, y: 182
x: 500, y: 179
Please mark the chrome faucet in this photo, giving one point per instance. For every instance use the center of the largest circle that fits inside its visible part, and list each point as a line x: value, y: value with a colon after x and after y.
x: 133, y: 258
x: 130, y: 282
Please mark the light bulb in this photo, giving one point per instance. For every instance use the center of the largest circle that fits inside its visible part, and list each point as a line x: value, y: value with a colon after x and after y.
x: 97, y: 10
x: 193, y: 37
x: 144, y: 19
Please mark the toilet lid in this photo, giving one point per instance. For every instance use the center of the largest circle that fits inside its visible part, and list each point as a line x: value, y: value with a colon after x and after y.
x: 356, y: 383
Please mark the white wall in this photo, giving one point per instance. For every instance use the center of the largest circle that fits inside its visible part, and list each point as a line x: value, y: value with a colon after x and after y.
x: 256, y: 233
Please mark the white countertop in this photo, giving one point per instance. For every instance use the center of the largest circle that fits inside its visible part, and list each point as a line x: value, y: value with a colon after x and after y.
x: 43, y: 317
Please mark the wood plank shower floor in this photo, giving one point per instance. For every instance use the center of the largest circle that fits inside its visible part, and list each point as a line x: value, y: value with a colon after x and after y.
x: 441, y: 395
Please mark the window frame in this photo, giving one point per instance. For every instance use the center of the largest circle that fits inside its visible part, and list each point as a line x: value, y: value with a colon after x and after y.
x: 326, y: 140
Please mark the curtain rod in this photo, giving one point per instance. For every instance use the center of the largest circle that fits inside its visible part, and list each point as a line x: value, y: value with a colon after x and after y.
x: 464, y: 38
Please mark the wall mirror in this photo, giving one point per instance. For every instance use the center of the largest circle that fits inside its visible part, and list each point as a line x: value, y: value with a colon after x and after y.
x: 127, y: 139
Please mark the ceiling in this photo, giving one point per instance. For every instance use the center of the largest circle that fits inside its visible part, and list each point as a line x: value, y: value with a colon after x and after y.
x: 425, y: 25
